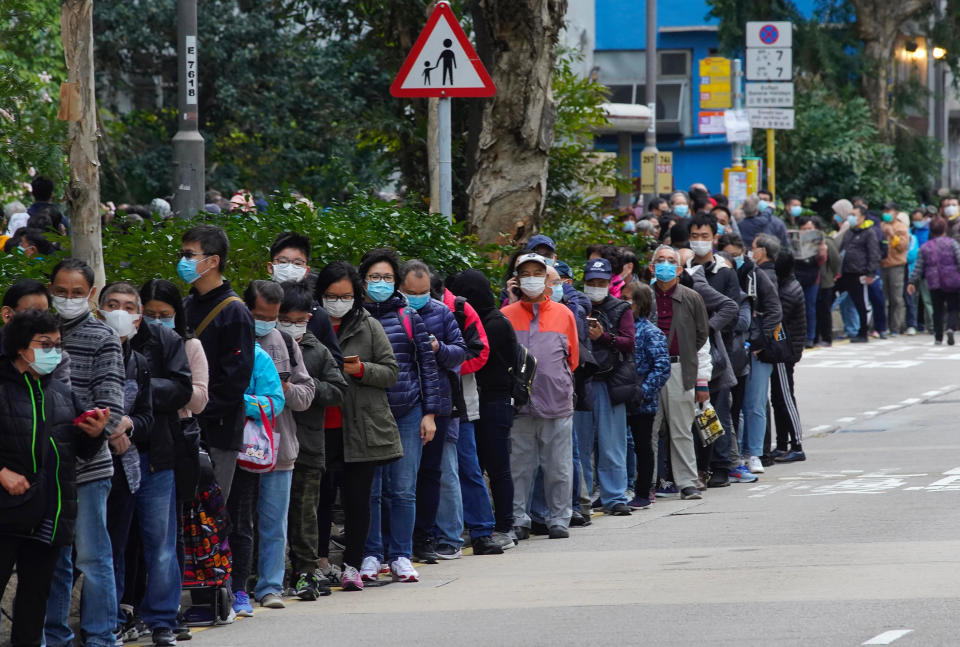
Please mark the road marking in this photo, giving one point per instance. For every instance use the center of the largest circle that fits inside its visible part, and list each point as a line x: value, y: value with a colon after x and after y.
x: 930, y: 394
x: 888, y: 637
x: 911, y: 401
x: 890, y: 407
x: 845, y: 420
x: 870, y: 413
x: 820, y: 428
x: 955, y: 470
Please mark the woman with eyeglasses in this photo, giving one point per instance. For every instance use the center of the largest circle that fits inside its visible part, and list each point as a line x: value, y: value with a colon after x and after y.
x: 361, y: 434
x: 39, y: 443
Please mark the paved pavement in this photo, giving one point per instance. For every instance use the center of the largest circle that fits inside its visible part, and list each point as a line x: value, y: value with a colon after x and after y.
x: 858, y: 545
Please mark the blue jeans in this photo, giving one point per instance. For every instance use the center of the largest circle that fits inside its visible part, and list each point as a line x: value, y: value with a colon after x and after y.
x: 464, y: 499
x: 449, y: 523
x: 810, y: 304
x: 848, y: 312
x: 879, y: 304
x: 272, y: 528
x: 395, y: 488
x: 156, y: 513
x: 608, y: 423
x: 98, y: 614
x: 754, y: 427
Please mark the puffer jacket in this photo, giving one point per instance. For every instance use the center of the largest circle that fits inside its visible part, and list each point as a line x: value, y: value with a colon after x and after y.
x: 171, y: 386
x: 418, y: 382
x: 329, y: 387
x: 369, y: 429
x: 794, y: 314
x: 861, y: 250
x: 451, y: 353
x: 40, y: 442
x: 653, y: 366
x: 264, y: 389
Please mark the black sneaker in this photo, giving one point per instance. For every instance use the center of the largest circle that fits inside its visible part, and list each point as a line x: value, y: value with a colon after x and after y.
x: 182, y: 631
x: 577, y: 520
x: 305, y: 588
x: 690, y: 492
x: 949, y: 338
x: 164, y: 637
x: 537, y: 528
x: 720, y: 478
x: 859, y: 339
x: 424, y: 552
x: 486, y: 546
x: 558, y: 532
x: 522, y: 532
x: 619, y: 510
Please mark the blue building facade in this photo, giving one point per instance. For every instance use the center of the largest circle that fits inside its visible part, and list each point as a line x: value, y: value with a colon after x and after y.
x: 686, y: 35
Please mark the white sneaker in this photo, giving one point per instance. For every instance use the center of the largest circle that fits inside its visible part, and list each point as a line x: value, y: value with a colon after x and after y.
x: 504, y: 540
x: 754, y: 465
x: 370, y: 569
x: 911, y: 331
x: 403, y: 570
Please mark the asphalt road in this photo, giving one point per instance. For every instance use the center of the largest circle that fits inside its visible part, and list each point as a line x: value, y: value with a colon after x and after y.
x: 858, y: 545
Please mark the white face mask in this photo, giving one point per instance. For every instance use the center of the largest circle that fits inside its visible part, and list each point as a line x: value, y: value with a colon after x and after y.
x: 71, y: 308
x: 750, y: 255
x: 951, y: 210
x: 337, y: 309
x: 596, y: 295
x: 701, y: 247
x: 533, y: 286
x: 283, y: 272
x: 295, y: 330
x: 121, y: 321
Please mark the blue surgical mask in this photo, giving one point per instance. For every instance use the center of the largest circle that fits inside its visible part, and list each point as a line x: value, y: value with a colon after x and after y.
x: 762, y: 205
x: 261, y: 328
x: 550, y: 261
x: 738, y: 260
x: 417, y: 301
x: 720, y: 229
x: 187, y: 269
x: 838, y: 218
x: 665, y: 272
x: 852, y: 220
x: 920, y: 224
x: 379, y: 291
x: 557, y: 295
x: 166, y: 323
x: 796, y: 210
x: 45, y: 360
x: 629, y: 226
x: 681, y: 210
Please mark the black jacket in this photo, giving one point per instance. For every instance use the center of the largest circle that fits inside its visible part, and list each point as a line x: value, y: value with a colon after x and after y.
x: 171, y: 386
x: 43, y: 446
x: 764, y: 300
x: 794, y: 315
x: 228, y: 345
x: 861, y: 250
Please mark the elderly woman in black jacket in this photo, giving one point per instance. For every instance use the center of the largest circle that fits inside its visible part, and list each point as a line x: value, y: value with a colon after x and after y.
x: 39, y: 444
x: 785, y: 412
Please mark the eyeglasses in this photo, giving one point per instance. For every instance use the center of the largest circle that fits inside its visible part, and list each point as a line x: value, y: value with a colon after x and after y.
x: 380, y: 277
x: 46, y: 345
x: 345, y: 298
x: 186, y: 253
x: 280, y: 260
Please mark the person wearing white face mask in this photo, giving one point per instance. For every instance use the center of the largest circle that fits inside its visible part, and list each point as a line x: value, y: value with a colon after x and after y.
x: 97, y: 379
x: 307, y: 487
x: 542, y: 430
x: 611, y: 331
x: 143, y: 480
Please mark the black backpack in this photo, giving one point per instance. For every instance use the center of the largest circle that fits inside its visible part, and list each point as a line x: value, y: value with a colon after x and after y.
x: 523, y: 369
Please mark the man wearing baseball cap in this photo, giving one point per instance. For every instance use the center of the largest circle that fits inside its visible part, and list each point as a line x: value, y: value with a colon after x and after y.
x: 611, y: 331
x: 544, y: 246
x: 543, y: 429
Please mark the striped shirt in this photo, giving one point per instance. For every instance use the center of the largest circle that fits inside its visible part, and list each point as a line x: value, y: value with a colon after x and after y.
x: 97, y: 378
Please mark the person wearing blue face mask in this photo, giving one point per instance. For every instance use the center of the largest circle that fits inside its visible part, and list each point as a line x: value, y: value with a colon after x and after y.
x: 861, y: 260
x: 682, y: 317
x: 415, y: 402
x: 760, y: 221
x: 680, y: 204
x: 544, y: 246
x: 793, y: 207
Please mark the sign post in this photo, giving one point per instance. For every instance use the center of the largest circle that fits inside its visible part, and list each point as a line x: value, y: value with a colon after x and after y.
x: 770, y: 103
x: 443, y: 64
x: 188, y: 156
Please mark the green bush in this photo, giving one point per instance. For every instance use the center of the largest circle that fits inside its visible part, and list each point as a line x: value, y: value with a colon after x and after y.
x: 342, y: 231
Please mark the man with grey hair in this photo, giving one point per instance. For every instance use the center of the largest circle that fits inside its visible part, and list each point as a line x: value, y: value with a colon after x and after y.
x: 14, y: 217
x: 757, y: 222
x: 682, y: 317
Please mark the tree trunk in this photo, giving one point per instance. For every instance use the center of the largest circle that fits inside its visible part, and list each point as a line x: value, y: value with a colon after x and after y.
x: 878, y: 23
x: 83, y: 192
x: 516, y: 40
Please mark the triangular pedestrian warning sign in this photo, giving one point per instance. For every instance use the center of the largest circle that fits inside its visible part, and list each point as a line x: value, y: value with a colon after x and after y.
x: 442, y: 62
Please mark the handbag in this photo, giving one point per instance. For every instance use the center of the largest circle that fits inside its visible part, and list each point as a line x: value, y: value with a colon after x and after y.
x: 259, y: 451
x: 708, y: 425
x: 186, y: 452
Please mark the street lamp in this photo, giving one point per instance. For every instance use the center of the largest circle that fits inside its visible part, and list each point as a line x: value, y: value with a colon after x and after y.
x: 939, y: 53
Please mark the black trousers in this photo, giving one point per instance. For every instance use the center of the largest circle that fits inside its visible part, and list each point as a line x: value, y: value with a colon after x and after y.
x: 785, y: 412
x: 850, y: 283
x: 492, y: 432
x: 428, y: 484
x: 943, y: 300
x: 355, y: 481
x: 242, y: 507
x: 641, y: 427
x: 35, y: 561
x: 825, y: 299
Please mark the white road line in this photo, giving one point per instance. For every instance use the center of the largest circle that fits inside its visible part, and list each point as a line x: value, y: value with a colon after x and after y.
x: 930, y: 394
x: 890, y: 407
x: 845, y: 420
x: 820, y: 428
x: 955, y: 470
x: 888, y: 637
x: 870, y: 413
x: 910, y: 401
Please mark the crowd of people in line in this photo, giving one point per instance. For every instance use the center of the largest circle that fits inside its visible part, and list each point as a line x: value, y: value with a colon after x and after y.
x: 433, y: 411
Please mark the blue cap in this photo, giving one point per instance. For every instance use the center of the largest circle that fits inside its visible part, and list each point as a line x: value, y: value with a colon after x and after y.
x: 540, y: 239
x: 563, y: 270
x: 598, y: 268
